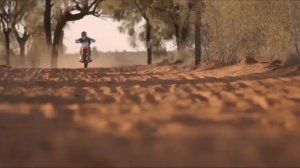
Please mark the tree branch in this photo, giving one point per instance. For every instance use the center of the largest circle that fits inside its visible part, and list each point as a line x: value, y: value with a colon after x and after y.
x: 88, y: 10
x: 95, y: 4
x: 77, y: 5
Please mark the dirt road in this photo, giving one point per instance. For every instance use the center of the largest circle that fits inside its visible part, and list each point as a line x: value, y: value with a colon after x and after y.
x: 150, y: 116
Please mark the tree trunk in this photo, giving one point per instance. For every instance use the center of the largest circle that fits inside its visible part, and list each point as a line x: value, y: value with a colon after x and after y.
x: 178, y: 43
x: 148, y: 40
x: 22, y: 51
x: 198, y: 29
x: 22, y: 43
x: 7, y: 47
x: 185, y: 30
x: 61, y: 42
x: 56, y: 42
x: 144, y: 14
x: 294, y: 28
x: 47, y: 22
x: 175, y: 21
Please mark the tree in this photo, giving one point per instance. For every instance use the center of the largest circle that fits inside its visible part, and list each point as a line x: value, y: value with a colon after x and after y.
x: 47, y: 22
x: 22, y: 39
x: 131, y: 13
x: 177, y: 19
x: 20, y: 29
x: 70, y: 11
x: 6, y: 29
x: 143, y: 8
x: 198, y: 30
x: 11, y: 12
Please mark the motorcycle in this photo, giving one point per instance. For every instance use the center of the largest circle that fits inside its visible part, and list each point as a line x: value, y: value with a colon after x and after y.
x: 85, y: 53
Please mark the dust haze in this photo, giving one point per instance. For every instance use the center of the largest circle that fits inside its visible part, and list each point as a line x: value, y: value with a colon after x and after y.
x: 105, y: 59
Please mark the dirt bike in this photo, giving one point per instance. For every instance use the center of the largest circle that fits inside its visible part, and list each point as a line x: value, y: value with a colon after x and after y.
x: 85, y: 57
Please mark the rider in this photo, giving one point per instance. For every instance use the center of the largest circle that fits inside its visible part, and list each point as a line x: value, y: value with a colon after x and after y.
x: 85, y: 42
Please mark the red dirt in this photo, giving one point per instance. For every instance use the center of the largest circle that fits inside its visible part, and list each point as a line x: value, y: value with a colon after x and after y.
x: 241, y: 115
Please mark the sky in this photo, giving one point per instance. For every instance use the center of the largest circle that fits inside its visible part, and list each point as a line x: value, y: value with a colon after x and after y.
x: 105, y: 32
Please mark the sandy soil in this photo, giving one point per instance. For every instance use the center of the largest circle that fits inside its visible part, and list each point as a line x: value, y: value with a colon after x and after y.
x: 150, y: 116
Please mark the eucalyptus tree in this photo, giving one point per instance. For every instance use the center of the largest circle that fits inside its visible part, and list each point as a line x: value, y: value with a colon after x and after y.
x: 22, y: 28
x: 199, y: 8
x: 143, y: 8
x: 132, y: 13
x: 47, y: 22
x: 6, y: 27
x: 181, y: 12
x: 5, y: 12
x: 179, y: 20
x: 22, y: 37
x: 11, y: 13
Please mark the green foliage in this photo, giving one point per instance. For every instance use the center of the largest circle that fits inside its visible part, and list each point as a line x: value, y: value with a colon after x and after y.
x: 131, y: 13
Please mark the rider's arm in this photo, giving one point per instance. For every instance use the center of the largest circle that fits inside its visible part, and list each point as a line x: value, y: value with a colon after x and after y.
x: 78, y: 41
x: 92, y: 40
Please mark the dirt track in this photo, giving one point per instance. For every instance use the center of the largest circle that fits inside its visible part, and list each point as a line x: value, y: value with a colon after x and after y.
x: 234, y: 116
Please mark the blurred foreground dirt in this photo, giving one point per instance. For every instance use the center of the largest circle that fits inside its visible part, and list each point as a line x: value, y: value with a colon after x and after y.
x: 141, y: 116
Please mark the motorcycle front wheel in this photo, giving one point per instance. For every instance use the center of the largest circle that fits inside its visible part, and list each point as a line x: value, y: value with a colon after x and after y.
x: 86, y: 64
x: 85, y: 61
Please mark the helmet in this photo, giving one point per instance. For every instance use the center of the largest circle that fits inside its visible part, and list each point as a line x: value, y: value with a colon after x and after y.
x: 83, y: 34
